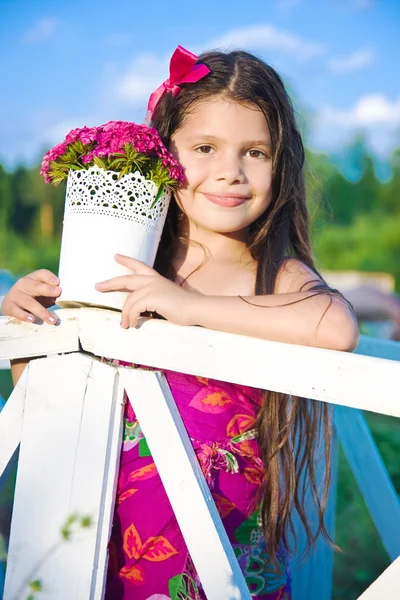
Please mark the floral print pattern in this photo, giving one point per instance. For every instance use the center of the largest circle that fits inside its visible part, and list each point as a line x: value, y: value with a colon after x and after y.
x: 148, y: 557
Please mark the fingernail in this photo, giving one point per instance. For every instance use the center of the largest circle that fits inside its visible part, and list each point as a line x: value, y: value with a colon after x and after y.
x: 54, y: 280
x: 52, y: 320
x: 30, y: 318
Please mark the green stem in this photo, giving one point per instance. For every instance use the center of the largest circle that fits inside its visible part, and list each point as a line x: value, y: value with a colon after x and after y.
x: 158, y: 196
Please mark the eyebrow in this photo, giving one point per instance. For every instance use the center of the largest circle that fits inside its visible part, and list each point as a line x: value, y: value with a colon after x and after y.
x: 213, y: 138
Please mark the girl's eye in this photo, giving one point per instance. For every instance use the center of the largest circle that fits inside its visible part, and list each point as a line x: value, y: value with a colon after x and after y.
x: 256, y: 154
x: 204, y: 149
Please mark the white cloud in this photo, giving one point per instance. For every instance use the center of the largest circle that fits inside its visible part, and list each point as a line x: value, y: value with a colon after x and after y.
x: 368, y: 110
x: 375, y: 114
x: 147, y: 71
x: 271, y: 38
x: 55, y: 133
x: 144, y: 75
x: 360, y: 59
x: 41, y: 31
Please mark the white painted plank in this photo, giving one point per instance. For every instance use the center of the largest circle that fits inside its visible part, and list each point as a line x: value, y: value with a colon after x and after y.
x: 387, y: 586
x: 336, y: 377
x: 109, y: 489
x: 11, y: 422
x: 184, y: 483
x: 21, y: 340
x: 71, y: 421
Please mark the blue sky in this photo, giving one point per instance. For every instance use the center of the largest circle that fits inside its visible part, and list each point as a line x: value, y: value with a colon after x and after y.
x: 68, y: 64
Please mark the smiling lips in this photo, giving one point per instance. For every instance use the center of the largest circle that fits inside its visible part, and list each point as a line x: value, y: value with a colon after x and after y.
x: 229, y: 200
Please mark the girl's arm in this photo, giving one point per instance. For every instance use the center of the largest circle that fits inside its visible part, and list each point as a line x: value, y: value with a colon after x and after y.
x: 17, y: 368
x: 322, y: 321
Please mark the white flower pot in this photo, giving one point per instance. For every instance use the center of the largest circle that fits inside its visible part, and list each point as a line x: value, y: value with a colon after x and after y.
x: 103, y: 216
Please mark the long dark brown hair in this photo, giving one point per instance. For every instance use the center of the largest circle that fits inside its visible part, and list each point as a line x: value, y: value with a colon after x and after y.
x: 290, y: 429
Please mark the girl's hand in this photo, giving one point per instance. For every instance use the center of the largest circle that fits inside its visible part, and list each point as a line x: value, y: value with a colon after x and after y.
x: 149, y: 292
x: 31, y: 295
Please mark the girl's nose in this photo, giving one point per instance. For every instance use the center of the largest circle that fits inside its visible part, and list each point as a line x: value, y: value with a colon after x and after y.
x: 230, y: 169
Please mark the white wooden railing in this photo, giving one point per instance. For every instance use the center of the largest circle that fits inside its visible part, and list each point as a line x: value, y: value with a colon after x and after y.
x: 66, y: 414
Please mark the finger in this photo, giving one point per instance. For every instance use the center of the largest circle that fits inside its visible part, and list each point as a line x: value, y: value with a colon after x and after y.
x: 123, y: 283
x: 37, y: 311
x: 46, y: 276
x: 143, y: 305
x: 33, y: 307
x: 134, y: 305
x: 18, y: 313
x: 134, y: 264
x: 38, y: 288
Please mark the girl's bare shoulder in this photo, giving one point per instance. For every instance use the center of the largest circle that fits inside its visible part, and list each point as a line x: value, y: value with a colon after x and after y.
x: 294, y: 276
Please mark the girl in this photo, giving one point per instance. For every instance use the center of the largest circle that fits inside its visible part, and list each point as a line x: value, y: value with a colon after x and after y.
x: 234, y: 256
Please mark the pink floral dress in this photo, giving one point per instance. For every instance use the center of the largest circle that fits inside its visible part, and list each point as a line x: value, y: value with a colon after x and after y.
x: 149, y: 559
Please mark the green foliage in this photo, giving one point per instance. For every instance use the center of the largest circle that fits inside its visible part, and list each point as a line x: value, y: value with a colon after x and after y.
x: 71, y: 159
x: 73, y: 523
x: 36, y: 585
x: 355, y: 225
x: 363, y: 557
x: 22, y: 255
x: 370, y: 243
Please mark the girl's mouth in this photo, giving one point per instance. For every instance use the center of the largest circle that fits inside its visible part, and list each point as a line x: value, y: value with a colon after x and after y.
x: 229, y: 201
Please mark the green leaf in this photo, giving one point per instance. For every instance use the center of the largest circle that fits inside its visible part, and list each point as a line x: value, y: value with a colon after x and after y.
x: 66, y: 531
x: 144, y: 448
x: 117, y: 163
x: 86, y: 521
x: 99, y: 163
x: 175, y: 584
x: 158, y: 196
x: 182, y: 587
x: 36, y: 586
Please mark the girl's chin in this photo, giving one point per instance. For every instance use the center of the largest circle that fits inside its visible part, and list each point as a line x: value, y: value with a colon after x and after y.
x: 215, y: 226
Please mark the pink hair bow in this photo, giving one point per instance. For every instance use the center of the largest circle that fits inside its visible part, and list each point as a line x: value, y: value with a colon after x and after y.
x: 182, y: 69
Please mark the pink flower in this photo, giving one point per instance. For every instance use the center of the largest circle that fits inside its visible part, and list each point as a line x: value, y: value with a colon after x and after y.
x: 72, y: 136
x: 86, y: 135
x: 88, y: 157
x: 111, y: 138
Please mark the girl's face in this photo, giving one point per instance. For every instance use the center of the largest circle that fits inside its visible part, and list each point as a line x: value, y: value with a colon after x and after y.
x: 224, y: 148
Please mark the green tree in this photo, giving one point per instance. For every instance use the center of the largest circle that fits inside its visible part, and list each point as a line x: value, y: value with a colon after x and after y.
x: 6, y: 199
x: 22, y: 213
x: 391, y: 191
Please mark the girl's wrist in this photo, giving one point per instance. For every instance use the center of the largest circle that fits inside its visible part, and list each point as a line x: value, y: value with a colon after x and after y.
x: 195, y: 308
